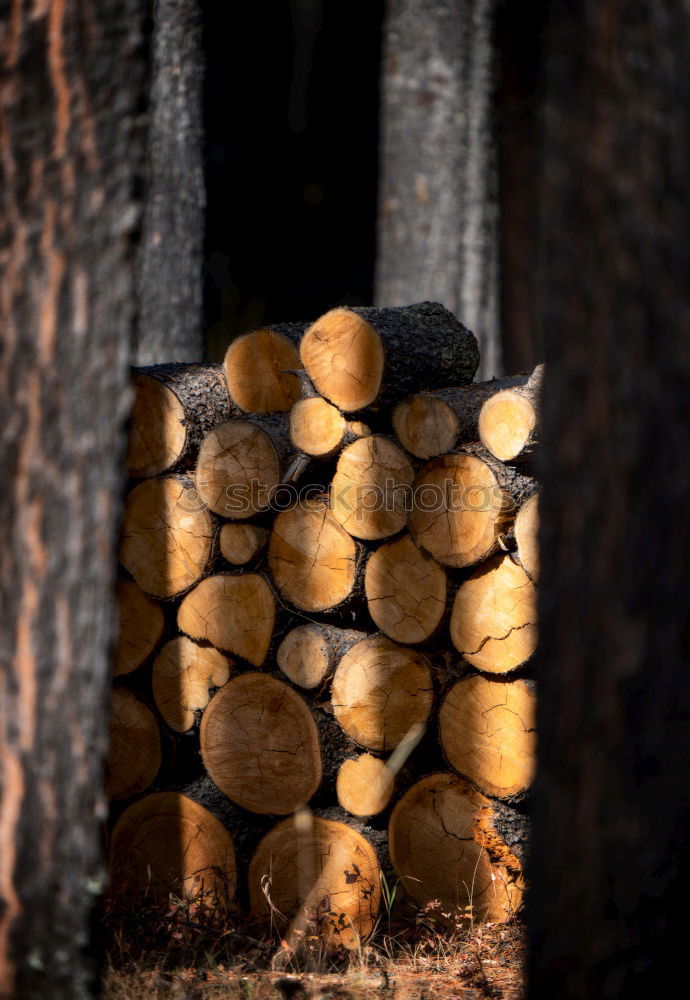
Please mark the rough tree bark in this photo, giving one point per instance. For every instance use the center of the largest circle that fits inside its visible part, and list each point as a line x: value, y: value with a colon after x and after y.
x: 438, y: 197
x: 170, y: 259
x: 611, y: 850
x: 70, y: 153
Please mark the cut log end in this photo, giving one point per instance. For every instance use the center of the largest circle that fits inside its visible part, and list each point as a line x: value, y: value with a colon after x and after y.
x: 303, y: 656
x: 381, y: 691
x: 134, y: 758
x: 494, y: 618
x: 260, y: 745
x: 506, y: 424
x: 237, y: 470
x: 184, y: 675
x: 487, y: 733
x: 240, y: 543
x: 406, y: 591
x: 257, y: 367
x: 157, y: 435
x: 527, y: 537
x: 364, y: 785
x: 141, y: 622
x: 233, y: 613
x: 443, y: 847
x: 167, y: 844
x: 371, y: 488
x: 323, y: 867
x: 425, y: 426
x: 319, y: 429
x: 343, y: 356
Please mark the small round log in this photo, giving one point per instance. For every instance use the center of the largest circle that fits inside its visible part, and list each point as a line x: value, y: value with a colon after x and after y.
x: 309, y: 653
x: 184, y: 674
x: 527, y: 537
x: 406, y: 591
x: 364, y: 785
x: 141, y: 622
x: 319, y: 429
x: 509, y: 421
x: 371, y: 489
x: 134, y: 757
x: 240, y: 543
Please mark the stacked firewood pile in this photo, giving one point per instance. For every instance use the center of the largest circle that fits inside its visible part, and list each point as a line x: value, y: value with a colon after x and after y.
x: 327, y: 610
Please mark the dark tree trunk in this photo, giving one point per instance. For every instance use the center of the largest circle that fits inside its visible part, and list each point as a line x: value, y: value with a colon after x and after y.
x: 170, y: 260
x: 611, y: 856
x: 70, y: 154
x: 438, y: 197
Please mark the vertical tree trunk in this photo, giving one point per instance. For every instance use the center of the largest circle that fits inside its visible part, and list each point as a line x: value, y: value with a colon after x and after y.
x: 611, y: 854
x: 70, y: 153
x: 170, y: 260
x: 438, y: 197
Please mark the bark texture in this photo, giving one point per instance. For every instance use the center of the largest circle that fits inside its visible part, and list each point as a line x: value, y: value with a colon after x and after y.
x: 70, y: 155
x: 614, y: 696
x: 438, y: 197
x: 169, y: 325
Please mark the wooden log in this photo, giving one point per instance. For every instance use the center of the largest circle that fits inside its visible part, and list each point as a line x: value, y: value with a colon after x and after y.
x: 259, y: 368
x: 463, y: 504
x: 323, y: 867
x: 371, y: 489
x: 168, y: 844
x: 240, y: 464
x: 487, y: 733
x: 509, y: 421
x: 493, y: 623
x: 167, y: 536
x: 134, y: 758
x: 406, y: 591
x: 380, y: 691
x: 319, y: 429
x: 315, y: 563
x: 260, y: 745
x: 308, y: 654
x: 527, y: 537
x: 364, y: 785
x: 175, y: 406
x: 141, y: 623
x: 240, y: 543
x: 445, y: 845
x: 358, y: 356
x: 234, y: 612
x: 429, y: 424
x: 184, y: 674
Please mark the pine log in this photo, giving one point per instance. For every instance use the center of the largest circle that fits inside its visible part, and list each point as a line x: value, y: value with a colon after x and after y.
x: 184, y: 674
x: 364, y: 785
x: 167, y: 536
x: 321, y: 866
x: 314, y: 562
x: 371, y: 489
x: 141, y: 623
x: 380, y: 691
x: 319, y: 429
x: 240, y: 543
x: 168, y: 844
x: 260, y: 745
x: 445, y: 844
x: 309, y: 653
x: 463, y: 505
x: 487, y: 734
x: 527, y: 537
x: 259, y: 367
x: 358, y: 356
x: 175, y: 406
x: 134, y: 758
x: 234, y: 612
x: 509, y: 421
x: 429, y: 424
x: 405, y: 590
x: 241, y: 463
x: 493, y: 623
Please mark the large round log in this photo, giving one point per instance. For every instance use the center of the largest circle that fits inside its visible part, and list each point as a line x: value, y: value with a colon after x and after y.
x: 527, y: 537
x: 487, y: 733
x: 168, y: 844
x: 405, y: 590
x: 323, y: 867
x: 259, y: 369
x: 167, y: 536
x: 260, y: 744
x: 380, y: 692
x: 509, y: 421
x: 309, y: 653
x: 175, y: 406
x: 235, y: 613
x: 134, y: 757
x: 141, y: 622
x: 444, y: 846
x: 493, y: 623
x: 184, y: 674
x: 372, y: 487
x: 364, y: 785
x: 358, y: 356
